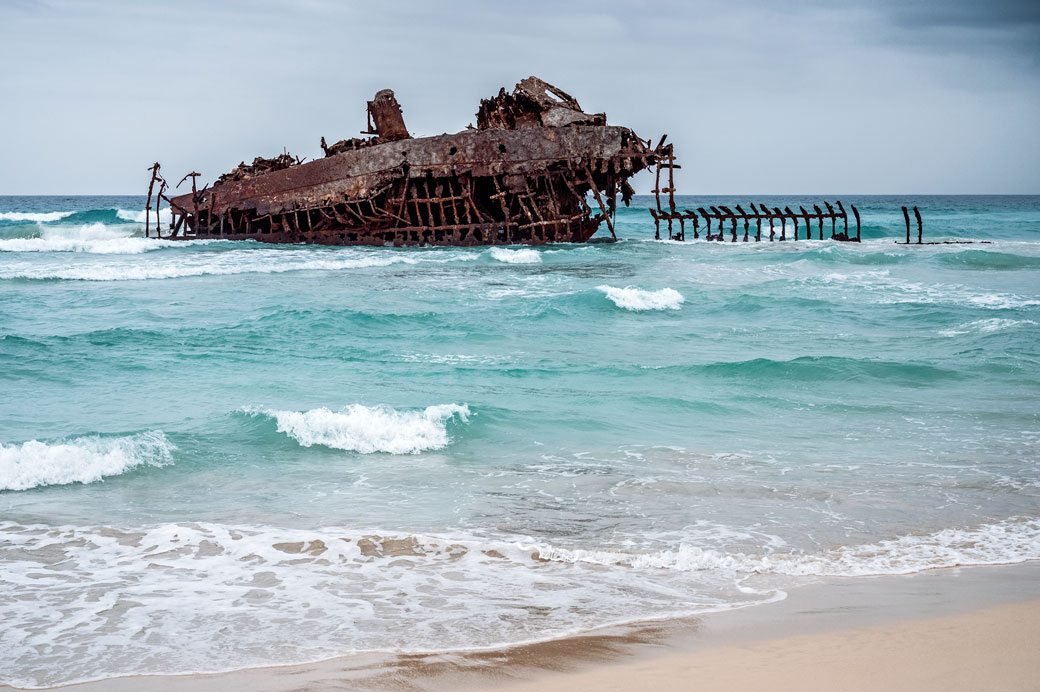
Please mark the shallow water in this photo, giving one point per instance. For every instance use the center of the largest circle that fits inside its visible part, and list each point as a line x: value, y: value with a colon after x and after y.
x: 217, y: 455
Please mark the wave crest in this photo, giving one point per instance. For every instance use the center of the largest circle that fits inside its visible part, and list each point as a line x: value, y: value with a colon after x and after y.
x: 364, y: 429
x: 93, y: 238
x: 632, y: 298
x: 80, y: 460
x: 524, y: 256
x: 39, y: 217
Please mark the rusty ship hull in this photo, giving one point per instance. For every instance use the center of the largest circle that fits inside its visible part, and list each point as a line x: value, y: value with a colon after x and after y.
x: 536, y: 170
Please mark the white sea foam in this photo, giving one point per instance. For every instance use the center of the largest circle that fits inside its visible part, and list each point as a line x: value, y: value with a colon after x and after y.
x: 523, y: 256
x: 209, y: 597
x: 79, y: 460
x: 1006, y: 542
x: 989, y: 326
x: 244, y: 260
x: 93, y: 238
x: 165, y: 217
x: 631, y: 298
x: 880, y: 287
x: 83, y: 602
x: 40, y: 217
x: 365, y: 429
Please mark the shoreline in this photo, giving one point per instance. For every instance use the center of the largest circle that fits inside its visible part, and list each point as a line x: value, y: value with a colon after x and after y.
x: 946, y: 616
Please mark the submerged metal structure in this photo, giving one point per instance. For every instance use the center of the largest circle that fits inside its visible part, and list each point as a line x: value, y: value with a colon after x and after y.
x: 523, y: 175
x: 670, y: 214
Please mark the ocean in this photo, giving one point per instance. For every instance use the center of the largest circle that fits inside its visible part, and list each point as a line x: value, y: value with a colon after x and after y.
x: 217, y: 455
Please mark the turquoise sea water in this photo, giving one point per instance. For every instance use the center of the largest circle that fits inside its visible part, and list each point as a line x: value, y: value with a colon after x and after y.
x: 216, y: 455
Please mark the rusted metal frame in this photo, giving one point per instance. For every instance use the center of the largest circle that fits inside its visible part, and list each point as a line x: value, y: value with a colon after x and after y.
x: 462, y: 197
x: 671, y: 182
x: 707, y: 220
x: 439, y: 191
x: 550, y: 194
x: 523, y: 200
x: 768, y: 216
x: 346, y: 207
x: 692, y: 216
x: 148, y: 202
x: 177, y: 225
x: 599, y: 201
x: 470, y: 201
x: 830, y: 212
x: 729, y: 215
x: 844, y: 218
x: 783, y: 223
x: 819, y: 216
x: 412, y: 194
x: 794, y: 217
x: 158, y: 206
x: 500, y: 194
x: 429, y: 204
x: 745, y: 217
x: 657, y: 197
x: 382, y: 211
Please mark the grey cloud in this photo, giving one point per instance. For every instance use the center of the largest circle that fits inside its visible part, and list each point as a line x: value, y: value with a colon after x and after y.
x: 758, y: 96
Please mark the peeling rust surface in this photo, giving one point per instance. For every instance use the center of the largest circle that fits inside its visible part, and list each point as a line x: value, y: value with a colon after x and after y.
x: 523, y: 175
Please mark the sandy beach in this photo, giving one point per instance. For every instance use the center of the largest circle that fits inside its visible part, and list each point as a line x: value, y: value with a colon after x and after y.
x: 990, y: 649
x: 957, y: 629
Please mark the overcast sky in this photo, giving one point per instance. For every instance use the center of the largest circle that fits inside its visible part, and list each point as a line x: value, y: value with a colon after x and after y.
x: 759, y: 97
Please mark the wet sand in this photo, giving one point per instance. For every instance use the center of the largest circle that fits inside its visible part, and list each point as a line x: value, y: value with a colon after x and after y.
x: 956, y: 629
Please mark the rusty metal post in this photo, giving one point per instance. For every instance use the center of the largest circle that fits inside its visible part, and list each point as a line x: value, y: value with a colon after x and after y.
x: 195, y: 200
x: 906, y: 217
x: 844, y: 218
x: 794, y: 218
x: 602, y: 206
x: 747, y: 224
x: 855, y: 212
x: 148, y: 202
x: 707, y: 221
x: 387, y: 117
x: 819, y: 216
x: 920, y: 226
x: 830, y: 211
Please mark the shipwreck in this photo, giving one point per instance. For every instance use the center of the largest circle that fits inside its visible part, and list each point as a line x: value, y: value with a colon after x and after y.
x: 528, y: 173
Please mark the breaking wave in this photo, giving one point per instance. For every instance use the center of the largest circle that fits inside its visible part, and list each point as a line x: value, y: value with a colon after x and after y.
x: 39, y: 217
x: 80, y: 460
x: 365, y: 429
x: 631, y: 298
x: 93, y: 238
x: 523, y: 256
